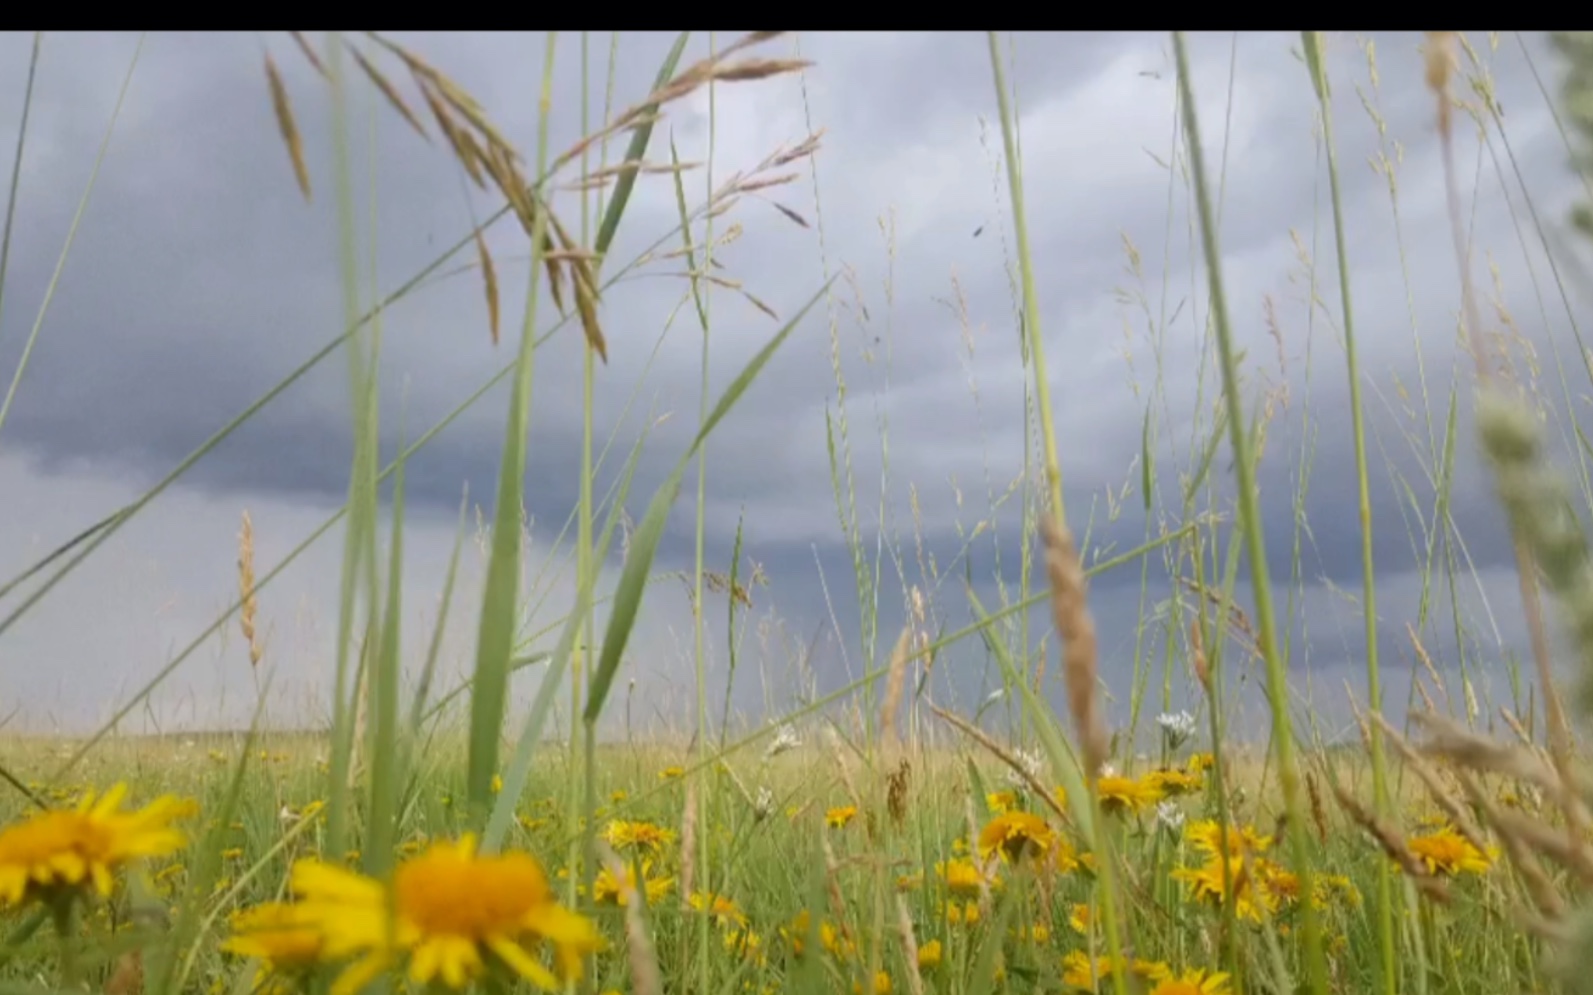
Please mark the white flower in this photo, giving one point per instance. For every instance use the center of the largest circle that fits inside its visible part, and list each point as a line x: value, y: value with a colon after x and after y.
x: 763, y: 805
x: 1170, y: 815
x: 1031, y: 762
x: 785, y: 739
x: 1176, y: 727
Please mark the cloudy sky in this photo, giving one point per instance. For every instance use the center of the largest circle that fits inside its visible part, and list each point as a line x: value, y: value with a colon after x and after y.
x: 196, y: 277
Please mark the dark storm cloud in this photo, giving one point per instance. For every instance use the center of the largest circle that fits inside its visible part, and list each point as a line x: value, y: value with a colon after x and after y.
x: 199, y: 279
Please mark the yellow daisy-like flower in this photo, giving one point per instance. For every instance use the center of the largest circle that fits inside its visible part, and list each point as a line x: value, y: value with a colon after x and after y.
x: 1446, y: 852
x: 1207, y: 837
x: 838, y: 817
x: 671, y: 773
x: 1016, y: 834
x: 1079, y: 919
x: 609, y: 890
x: 725, y: 911
x: 831, y: 939
x: 1193, y: 982
x: 1126, y: 794
x: 964, y: 914
x: 1062, y: 858
x: 1256, y: 884
x: 962, y: 877
x: 1331, y: 886
x: 279, y: 935
x: 57, y: 851
x: 622, y: 835
x: 747, y: 944
x: 882, y: 984
x: 1001, y: 802
x: 1079, y: 971
x: 1171, y: 783
x: 451, y: 908
x: 1201, y: 762
x: 929, y: 955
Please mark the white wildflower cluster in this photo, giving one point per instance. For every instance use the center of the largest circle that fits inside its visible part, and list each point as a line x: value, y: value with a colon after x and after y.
x: 763, y: 805
x: 1169, y: 816
x: 785, y: 739
x: 1177, y: 727
x: 1031, y: 762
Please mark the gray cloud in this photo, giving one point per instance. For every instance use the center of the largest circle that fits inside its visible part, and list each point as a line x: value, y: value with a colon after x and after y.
x: 199, y: 279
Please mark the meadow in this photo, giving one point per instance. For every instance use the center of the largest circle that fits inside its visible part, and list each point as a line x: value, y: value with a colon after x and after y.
x: 870, y: 838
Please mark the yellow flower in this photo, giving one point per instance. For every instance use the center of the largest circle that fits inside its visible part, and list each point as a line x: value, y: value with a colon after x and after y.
x: 1171, y: 783
x: 725, y: 912
x: 796, y: 935
x: 1201, y: 762
x: 837, y: 818
x: 57, y: 851
x: 1125, y: 794
x: 1256, y: 884
x: 965, y: 914
x: 962, y: 877
x: 1001, y: 801
x: 836, y: 942
x: 497, y: 783
x: 450, y: 907
x: 929, y: 955
x: 1194, y: 982
x: 618, y: 796
x: 882, y: 984
x: 607, y: 890
x: 622, y: 835
x: 278, y: 934
x: 1080, y: 972
x: 1207, y: 837
x: 1448, y: 853
x: 1079, y: 919
x: 746, y: 943
x: 671, y: 773
x: 1015, y: 834
x: 1328, y: 886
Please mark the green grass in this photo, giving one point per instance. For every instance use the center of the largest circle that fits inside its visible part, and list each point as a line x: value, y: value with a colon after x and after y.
x: 404, y: 765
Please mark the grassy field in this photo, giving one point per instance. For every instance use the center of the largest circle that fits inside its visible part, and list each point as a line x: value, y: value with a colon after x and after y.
x: 867, y: 840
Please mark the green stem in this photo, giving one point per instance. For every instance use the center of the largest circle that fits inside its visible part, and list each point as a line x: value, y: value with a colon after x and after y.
x: 1255, y: 541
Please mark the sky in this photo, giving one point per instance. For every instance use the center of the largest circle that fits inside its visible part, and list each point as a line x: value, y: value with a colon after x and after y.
x: 165, y: 272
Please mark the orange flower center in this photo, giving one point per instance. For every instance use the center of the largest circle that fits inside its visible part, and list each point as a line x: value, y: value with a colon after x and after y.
x: 446, y: 893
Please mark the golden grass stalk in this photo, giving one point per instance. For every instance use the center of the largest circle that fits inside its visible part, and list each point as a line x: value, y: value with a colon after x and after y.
x: 688, y: 843
x: 249, y: 607
x: 394, y: 98
x: 285, y: 124
x: 1517, y: 834
x: 489, y: 276
x: 904, y: 929
x: 309, y: 53
x: 1424, y: 772
x: 895, y: 681
x: 646, y: 979
x: 1393, y: 844
x: 1077, y: 629
x: 974, y: 733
